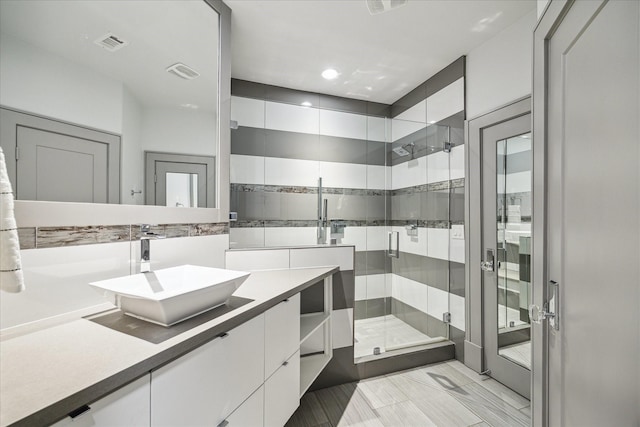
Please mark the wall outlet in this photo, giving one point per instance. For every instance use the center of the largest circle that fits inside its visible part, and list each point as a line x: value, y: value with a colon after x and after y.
x: 457, y: 232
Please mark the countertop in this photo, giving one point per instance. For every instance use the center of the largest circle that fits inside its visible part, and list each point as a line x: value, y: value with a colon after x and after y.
x: 48, y: 373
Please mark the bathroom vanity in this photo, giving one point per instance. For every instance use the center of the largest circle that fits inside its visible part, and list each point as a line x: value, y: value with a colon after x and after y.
x: 246, y: 367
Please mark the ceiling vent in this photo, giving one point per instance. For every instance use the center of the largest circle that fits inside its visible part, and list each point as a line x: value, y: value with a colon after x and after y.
x: 378, y: 6
x: 183, y: 71
x: 111, y: 42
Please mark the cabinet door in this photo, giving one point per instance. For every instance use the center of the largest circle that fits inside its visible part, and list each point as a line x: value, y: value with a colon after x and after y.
x: 282, y: 333
x: 206, y: 385
x: 282, y: 393
x: 128, y: 406
x: 249, y: 414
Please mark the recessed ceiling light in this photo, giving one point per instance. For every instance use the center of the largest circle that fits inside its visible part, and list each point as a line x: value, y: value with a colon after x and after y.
x: 432, y: 122
x: 306, y: 104
x: 330, y: 74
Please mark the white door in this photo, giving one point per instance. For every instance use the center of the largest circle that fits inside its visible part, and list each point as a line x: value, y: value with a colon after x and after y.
x: 586, y: 103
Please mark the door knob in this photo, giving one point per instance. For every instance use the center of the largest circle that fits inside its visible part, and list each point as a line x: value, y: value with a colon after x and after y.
x: 537, y: 315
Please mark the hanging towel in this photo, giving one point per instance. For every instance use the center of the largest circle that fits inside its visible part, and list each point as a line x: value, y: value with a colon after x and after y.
x: 11, y: 278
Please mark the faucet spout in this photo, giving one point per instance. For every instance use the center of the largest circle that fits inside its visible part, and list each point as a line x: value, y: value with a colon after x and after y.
x: 145, y: 247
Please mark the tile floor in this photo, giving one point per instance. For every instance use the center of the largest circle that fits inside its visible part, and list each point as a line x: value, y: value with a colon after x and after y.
x: 519, y: 353
x: 446, y: 394
x: 388, y: 333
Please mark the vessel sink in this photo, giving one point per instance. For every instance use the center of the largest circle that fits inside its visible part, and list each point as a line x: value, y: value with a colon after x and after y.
x: 171, y: 295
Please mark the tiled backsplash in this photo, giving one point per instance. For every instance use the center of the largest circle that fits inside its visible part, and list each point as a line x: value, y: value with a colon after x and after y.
x: 53, y: 237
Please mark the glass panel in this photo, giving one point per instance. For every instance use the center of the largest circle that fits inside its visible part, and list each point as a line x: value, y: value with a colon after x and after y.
x: 182, y: 189
x: 514, y: 162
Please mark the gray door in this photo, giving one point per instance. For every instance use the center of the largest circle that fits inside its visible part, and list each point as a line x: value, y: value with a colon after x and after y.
x: 586, y: 94
x: 179, y: 180
x: 54, y: 161
x: 506, y: 241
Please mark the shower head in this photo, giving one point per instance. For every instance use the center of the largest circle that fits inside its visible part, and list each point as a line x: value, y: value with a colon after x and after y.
x: 402, y: 151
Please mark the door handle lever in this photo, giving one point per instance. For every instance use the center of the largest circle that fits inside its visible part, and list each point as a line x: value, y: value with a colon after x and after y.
x: 488, y: 264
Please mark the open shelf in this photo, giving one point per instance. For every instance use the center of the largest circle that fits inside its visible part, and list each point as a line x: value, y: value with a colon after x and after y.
x: 310, y: 368
x: 310, y: 322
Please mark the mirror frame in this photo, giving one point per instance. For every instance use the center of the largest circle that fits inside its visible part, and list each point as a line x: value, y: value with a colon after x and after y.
x: 30, y: 213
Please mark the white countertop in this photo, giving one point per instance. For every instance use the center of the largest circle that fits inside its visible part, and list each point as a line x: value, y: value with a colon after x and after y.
x: 82, y: 359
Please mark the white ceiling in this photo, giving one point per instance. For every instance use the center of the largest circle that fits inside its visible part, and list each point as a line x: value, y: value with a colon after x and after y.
x: 380, y: 57
x: 160, y: 33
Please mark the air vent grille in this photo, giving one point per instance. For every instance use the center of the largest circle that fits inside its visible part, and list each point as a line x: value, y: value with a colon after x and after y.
x: 111, y: 42
x: 183, y: 71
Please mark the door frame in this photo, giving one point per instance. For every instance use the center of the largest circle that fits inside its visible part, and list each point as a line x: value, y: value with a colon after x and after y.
x: 474, y: 342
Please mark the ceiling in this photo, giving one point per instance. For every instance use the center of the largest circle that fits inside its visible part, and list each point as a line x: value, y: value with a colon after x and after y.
x: 380, y: 57
x: 160, y: 33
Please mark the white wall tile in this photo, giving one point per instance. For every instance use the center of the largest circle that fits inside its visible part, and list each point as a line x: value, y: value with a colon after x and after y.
x: 413, y: 244
x: 248, y: 112
x: 291, y: 172
x: 343, y: 175
x: 356, y: 236
x: 292, y: 118
x: 456, y: 162
x: 437, y: 167
x: 346, y: 125
x: 378, y: 129
x: 446, y: 102
x: 438, y: 302
x: 256, y: 260
x: 377, y: 238
x: 378, y: 177
x: 456, y: 249
x: 378, y: 286
x: 207, y: 251
x: 410, y: 292
x: 342, y: 328
x: 290, y: 236
x: 417, y: 113
x: 409, y: 174
x: 438, y: 243
x: 56, y: 280
x: 402, y: 128
x: 456, y: 308
x: 361, y: 288
x: 246, y: 169
x: 319, y: 257
x: 250, y: 237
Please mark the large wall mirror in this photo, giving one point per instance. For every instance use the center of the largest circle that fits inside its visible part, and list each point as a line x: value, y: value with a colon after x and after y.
x: 89, y: 89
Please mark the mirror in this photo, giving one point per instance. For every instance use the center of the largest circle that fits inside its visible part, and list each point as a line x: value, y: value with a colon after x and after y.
x: 88, y: 87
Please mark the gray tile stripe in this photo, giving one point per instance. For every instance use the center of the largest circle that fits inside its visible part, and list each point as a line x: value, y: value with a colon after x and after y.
x: 260, y: 223
x: 259, y: 142
x: 266, y: 92
x: 52, y: 237
x: 517, y: 162
x: 419, y: 320
x: 442, y: 79
x: 375, y: 307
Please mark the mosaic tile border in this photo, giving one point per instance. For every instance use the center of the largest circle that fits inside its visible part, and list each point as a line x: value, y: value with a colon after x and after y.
x: 434, y: 186
x: 55, y: 237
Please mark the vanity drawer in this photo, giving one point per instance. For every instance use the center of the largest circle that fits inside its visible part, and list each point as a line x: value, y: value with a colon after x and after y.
x: 208, y: 384
x: 282, y: 333
x: 249, y: 414
x: 282, y: 393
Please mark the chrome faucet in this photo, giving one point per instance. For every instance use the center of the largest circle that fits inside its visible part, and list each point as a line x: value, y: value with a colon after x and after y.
x: 145, y: 247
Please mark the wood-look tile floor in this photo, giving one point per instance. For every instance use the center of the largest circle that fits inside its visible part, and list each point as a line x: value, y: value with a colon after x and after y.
x: 446, y: 394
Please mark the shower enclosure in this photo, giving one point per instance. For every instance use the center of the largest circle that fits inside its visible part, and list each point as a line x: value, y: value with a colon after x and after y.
x: 335, y: 173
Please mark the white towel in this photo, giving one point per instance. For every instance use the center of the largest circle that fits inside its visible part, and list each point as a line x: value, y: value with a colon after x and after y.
x: 11, y: 278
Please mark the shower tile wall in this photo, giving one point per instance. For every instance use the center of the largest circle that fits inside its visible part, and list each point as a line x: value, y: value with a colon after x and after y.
x: 280, y: 148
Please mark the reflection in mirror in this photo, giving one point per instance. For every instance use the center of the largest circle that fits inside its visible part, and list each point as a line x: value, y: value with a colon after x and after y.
x: 182, y: 189
x: 514, y: 165
x: 88, y: 86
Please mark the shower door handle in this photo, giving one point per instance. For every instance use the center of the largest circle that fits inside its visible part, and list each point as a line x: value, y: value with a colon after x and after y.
x: 488, y: 263
x: 390, y: 251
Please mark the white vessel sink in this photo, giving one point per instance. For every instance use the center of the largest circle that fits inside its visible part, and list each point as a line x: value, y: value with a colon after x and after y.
x: 171, y: 295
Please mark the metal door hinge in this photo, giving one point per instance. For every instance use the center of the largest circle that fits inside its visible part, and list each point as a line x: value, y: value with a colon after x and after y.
x: 155, y: 177
x: 446, y: 317
x: 17, y: 153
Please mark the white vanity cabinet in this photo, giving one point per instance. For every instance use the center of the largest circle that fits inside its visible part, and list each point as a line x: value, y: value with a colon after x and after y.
x: 281, y: 333
x: 282, y: 392
x: 208, y: 384
x: 128, y: 406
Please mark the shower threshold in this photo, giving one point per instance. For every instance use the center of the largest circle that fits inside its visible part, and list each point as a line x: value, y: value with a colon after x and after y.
x: 383, y: 336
